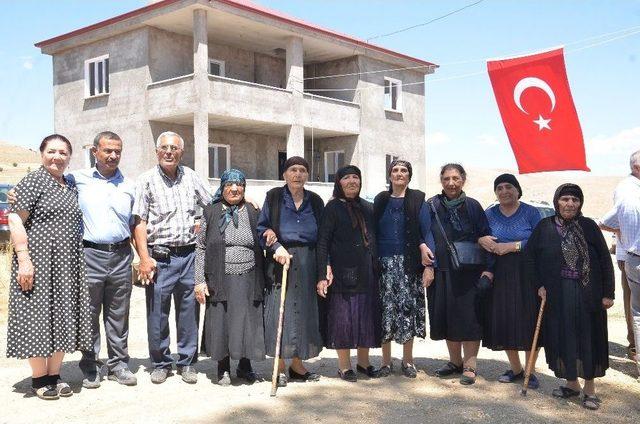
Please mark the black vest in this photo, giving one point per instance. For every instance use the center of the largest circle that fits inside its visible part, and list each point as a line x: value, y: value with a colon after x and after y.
x: 215, y: 254
x: 413, y: 201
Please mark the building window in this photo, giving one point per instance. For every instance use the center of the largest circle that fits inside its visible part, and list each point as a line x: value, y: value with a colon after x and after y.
x: 89, y: 159
x: 218, y: 159
x: 332, y: 162
x: 96, y: 76
x: 216, y: 67
x: 392, y: 94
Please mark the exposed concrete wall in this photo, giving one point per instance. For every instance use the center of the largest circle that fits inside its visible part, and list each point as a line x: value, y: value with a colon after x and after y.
x: 384, y: 132
x: 335, y: 67
x: 171, y: 55
x: 122, y: 111
x: 346, y: 144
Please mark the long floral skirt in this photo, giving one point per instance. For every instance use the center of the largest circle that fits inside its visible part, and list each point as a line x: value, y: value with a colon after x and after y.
x: 403, y: 305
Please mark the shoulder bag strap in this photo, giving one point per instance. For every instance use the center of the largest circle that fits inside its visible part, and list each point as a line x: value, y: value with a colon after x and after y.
x: 444, y: 234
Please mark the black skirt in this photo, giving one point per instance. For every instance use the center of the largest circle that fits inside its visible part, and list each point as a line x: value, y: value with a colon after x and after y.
x: 455, y: 312
x: 301, y: 330
x: 234, y: 328
x: 511, y: 309
x: 575, y: 337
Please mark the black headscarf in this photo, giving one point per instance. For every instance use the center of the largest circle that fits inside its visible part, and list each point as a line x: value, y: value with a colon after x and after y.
x: 296, y: 160
x: 574, y: 246
x: 508, y: 178
x: 353, y: 205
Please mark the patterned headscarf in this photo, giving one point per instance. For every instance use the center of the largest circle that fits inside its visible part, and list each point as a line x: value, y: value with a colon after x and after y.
x: 574, y: 246
x: 230, y: 213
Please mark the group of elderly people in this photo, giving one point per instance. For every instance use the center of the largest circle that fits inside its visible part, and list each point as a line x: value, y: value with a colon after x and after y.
x: 358, y: 273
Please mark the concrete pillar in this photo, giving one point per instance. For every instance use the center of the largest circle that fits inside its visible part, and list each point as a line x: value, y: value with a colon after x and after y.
x: 201, y: 89
x: 295, y: 83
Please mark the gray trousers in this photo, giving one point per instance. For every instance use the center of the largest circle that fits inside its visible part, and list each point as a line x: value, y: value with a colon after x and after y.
x: 109, y: 281
x: 633, y: 277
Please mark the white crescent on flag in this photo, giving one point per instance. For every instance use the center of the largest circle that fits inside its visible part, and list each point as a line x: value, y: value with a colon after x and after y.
x: 529, y: 82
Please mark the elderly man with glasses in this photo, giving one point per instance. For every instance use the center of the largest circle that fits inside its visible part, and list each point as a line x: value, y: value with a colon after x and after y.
x: 165, y: 211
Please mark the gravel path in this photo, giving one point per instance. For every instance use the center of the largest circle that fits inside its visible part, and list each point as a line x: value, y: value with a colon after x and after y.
x: 394, y: 399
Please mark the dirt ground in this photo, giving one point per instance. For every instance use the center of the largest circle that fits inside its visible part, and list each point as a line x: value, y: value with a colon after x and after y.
x: 395, y: 399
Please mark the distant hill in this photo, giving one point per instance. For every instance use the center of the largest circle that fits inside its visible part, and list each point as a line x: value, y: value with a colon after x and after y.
x: 26, y: 160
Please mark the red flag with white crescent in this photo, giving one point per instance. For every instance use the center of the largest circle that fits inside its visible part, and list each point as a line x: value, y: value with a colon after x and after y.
x: 538, y: 113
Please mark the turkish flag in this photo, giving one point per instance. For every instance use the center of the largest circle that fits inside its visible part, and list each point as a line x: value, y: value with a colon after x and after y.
x: 538, y: 113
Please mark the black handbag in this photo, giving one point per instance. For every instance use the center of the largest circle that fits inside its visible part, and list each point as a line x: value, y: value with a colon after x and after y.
x: 464, y: 254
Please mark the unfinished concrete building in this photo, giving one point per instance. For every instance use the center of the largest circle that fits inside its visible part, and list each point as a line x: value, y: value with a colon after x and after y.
x: 245, y: 86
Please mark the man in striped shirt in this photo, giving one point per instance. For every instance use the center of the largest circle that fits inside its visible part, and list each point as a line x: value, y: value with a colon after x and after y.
x: 165, y: 209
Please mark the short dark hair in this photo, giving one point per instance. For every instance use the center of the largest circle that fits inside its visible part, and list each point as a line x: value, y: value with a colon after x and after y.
x: 455, y: 166
x: 47, y: 139
x: 109, y: 135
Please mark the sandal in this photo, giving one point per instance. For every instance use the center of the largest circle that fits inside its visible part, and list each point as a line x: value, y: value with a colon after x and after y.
x: 466, y: 380
x: 385, y: 370
x: 409, y: 370
x: 47, y: 392
x: 448, y: 369
x: 564, y: 392
x: 590, y: 402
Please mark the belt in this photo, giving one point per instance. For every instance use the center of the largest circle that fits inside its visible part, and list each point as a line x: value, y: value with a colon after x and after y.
x: 178, y: 250
x: 106, y: 247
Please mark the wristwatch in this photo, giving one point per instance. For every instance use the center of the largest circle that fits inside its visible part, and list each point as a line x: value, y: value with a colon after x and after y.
x: 518, y: 246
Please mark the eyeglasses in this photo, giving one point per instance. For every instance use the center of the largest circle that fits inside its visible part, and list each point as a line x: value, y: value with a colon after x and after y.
x: 166, y: 148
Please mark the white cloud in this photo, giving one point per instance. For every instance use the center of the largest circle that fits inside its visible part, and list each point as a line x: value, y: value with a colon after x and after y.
x: 626, y: 141
x: 489, y: 140
x: 27, y: 62
x: 437, y: 138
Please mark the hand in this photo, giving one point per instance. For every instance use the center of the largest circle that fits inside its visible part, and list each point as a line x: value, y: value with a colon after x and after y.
x: 504, y: 248
x: 253, y: 203
x: 329, y: 275
x: 202, y: 291
x: 11, y: 196
x: 427, y: 276
x: 427, y: 255
x: 542, y: 292
x: 607, y: 303
x: 488, y: 274
x: 270, y: 237
x: 146, y: 271
x: 25, y: 273
x: 488, y: 243
x: 282, y: 256
x: 321, y: 288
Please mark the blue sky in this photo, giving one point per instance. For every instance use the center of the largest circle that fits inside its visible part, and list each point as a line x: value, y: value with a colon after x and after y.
x: 462, y: 120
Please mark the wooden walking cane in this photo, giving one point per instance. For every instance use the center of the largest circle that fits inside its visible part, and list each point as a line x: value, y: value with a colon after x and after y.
x: 276, y: 359
x: 534, y: 345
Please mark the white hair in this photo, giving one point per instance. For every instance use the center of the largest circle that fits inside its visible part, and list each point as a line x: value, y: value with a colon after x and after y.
x: 169, y: 134
x: 634, y: 159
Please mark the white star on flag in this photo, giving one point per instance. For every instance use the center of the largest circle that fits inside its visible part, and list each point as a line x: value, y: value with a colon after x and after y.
x: 542, y: 123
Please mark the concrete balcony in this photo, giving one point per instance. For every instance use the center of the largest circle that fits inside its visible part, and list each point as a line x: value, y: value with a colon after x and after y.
x: 243, y: 106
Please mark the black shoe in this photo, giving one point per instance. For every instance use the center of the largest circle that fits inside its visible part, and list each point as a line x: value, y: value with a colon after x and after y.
x: 449, y: 369
x: 409, y: 370
x: 348, y: 375
x: 189, y: 374
x: 249, y: 376
x: 307, y: 376
x: 370, y: 371
x: 385, y: 370
x: 282, y: 380
x: 224, y: 379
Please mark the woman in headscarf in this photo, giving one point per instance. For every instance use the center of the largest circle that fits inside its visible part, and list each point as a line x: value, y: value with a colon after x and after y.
x: 405, y: 247
x: 288, y: 229
x: 346, y: 242
x: 455, y: 309
x: 511, y: 308
x: 568, y: 261
x: 230, y: 279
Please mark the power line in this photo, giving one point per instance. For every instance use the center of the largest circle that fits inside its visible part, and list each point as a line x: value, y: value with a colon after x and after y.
x: 425, y: 23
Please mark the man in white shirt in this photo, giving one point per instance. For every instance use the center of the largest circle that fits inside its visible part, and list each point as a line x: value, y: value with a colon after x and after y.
x: 624, y: 219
